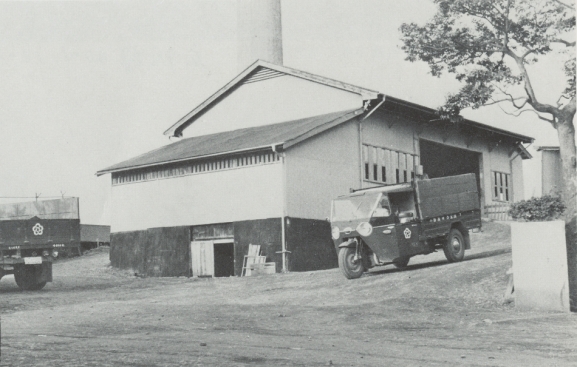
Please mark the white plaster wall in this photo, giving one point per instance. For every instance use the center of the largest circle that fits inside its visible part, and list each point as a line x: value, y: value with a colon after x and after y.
x: 271, y: 101
x: 518, y: 179
x: 320, y: 169
x: 496, y: 160
x: 399, y: 136
x: 532, y: 174
x: 253, y: 192
x: 540, y: 273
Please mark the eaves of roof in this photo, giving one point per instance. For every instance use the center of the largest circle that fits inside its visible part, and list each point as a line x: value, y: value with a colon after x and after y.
x: 278, y: 136
x: 547, y: 147
x: 432, y: 112
x: 251, y: 71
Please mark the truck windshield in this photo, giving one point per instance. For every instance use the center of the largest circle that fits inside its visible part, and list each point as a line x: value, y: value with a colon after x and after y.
x: 354, y: 207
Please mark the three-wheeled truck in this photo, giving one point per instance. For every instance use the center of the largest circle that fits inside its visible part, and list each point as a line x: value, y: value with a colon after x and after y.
x: 28, y: 247
x: 390, y: 224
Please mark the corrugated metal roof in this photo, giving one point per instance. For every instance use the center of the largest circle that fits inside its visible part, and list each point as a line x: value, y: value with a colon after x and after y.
x: 284, y: 134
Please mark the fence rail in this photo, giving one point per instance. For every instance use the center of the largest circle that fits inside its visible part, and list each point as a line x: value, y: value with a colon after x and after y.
x: 498, y: 211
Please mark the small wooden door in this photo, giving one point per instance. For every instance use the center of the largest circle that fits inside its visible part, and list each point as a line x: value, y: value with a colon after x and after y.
x: 202, y: 258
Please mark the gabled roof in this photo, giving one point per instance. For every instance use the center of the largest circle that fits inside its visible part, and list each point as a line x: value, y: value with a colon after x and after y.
x: 278, y: 136
x: 262, y: 70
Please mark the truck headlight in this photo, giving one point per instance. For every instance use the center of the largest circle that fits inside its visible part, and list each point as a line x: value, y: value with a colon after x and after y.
x: 336, y: 233
x: 54, y: 253
x: 45, y: 253
x: 365, y: 229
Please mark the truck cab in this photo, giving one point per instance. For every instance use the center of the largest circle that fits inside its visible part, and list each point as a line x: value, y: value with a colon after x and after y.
x: 390, y: 224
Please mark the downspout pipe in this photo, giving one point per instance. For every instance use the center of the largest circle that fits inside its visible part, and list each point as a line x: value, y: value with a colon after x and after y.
x: 283, y: 251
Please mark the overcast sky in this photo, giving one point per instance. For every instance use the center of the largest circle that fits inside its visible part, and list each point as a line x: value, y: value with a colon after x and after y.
x: 85, y: 85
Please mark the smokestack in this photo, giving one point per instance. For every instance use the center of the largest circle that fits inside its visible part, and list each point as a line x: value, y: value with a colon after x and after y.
x: 259, y: 32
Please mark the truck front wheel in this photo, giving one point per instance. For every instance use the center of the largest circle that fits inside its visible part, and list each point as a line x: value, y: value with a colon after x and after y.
x: 28, y: 277
x: 350, y: 267
x: 455, y: 246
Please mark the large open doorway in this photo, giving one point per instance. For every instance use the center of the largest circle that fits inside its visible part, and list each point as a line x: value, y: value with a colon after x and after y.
x: 440, y: 160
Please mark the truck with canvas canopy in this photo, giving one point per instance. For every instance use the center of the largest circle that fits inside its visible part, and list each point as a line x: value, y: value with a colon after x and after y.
x: 32, y: 235
x: 390, y: 224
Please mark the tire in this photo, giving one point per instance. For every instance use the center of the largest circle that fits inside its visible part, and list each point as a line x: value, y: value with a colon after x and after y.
x: 454, y: 246
x: 402, y: 262
x: 27, y: 277
x: 350, y: 268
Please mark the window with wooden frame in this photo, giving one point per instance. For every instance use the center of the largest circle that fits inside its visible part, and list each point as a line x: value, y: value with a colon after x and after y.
x: 501, y: 186
x: 387, y: 166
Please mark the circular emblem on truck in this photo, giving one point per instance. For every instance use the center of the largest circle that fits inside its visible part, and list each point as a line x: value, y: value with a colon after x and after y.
x: 38, y: 229
x: 407, y: 233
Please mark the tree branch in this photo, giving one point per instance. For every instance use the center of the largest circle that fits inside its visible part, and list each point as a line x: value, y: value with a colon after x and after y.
x: 566, y: 43
x: 570, y: 107
x: 541, y: 107
x: 506, y: 39
x: 511, y: 99
x: 453, y: 49
x: 563, y: 96
x: 565, y: 5
x: 551, y: 121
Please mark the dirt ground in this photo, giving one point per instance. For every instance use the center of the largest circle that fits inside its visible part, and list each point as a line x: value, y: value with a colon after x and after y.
x: 431, y: 314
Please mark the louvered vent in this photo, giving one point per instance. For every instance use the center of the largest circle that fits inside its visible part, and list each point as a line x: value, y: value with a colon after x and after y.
x: 261, y: 74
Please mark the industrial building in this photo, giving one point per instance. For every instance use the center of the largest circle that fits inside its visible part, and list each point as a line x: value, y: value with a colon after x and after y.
x: 259, y: 161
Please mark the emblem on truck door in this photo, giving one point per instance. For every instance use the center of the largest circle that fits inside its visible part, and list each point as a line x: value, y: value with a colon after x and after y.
x: 407, y: 233
x: 38, y: 229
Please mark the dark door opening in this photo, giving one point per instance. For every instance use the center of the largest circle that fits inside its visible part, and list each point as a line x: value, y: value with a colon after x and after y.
x: 439, y: 160
x: 223, y: 259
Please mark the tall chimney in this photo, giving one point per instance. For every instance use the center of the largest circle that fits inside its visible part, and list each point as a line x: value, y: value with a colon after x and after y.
x: 259, y: 32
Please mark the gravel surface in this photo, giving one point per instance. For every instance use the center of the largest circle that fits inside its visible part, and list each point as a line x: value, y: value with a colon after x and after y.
x: 431, y: 314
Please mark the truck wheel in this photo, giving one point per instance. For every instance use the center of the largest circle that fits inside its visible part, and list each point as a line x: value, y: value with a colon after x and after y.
x: 455, y: 246
x: 350, y: 268
x: 402, y: 262
x: 28, y: 277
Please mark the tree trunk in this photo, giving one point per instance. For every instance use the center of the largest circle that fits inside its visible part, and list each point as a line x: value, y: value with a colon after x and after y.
x: 567, y: 150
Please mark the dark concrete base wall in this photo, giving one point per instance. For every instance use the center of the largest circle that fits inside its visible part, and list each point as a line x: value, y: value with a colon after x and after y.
x: 165, y: 251
x: 161, y: 252
x: 263, y: 232
x: 310, y: 244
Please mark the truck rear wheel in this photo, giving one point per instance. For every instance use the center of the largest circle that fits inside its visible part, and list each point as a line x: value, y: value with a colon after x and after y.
x: 350, y: 268
x: 27, y: 277
x: 454, y: 246
x: 402, y: 262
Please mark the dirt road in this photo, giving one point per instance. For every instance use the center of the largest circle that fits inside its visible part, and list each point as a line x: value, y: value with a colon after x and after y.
x: 431, y: 314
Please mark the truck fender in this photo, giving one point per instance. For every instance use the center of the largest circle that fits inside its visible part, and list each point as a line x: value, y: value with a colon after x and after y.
x: 465, y: 232
x: 352, y: 242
